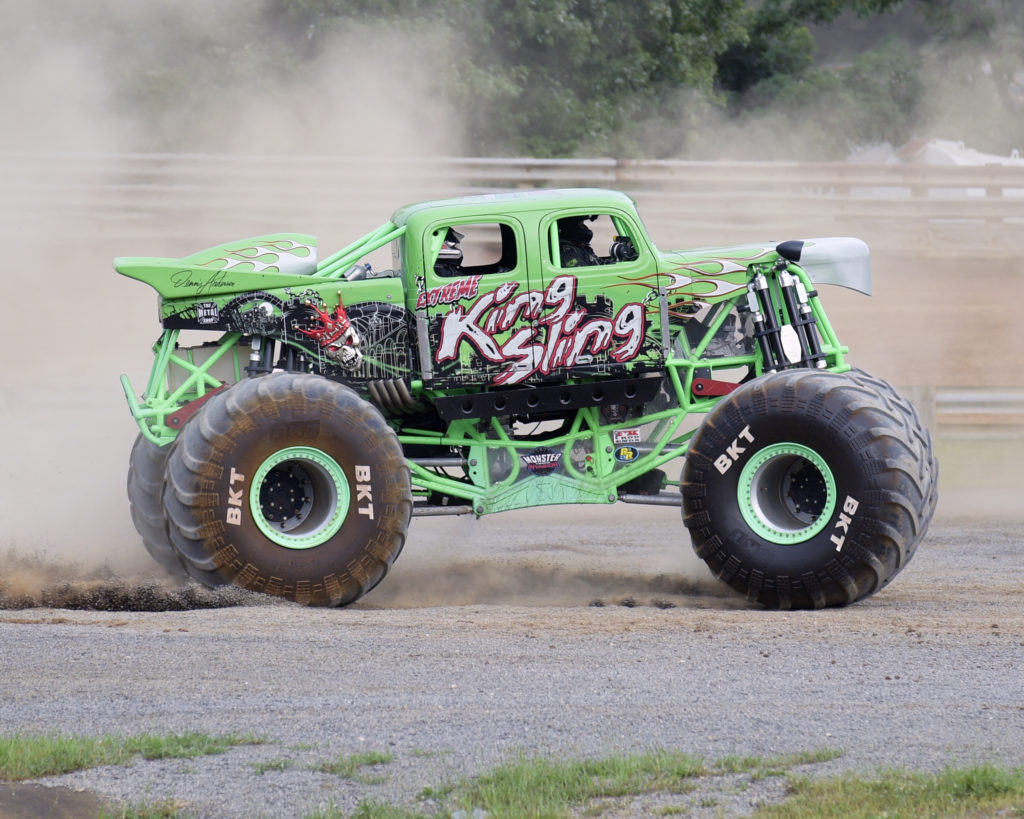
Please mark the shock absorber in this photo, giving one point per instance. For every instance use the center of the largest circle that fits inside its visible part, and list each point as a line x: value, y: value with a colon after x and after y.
x: 292, y: 360
x: 801, y: 316
x: 760, y: 333
x: 766, y: 325
x: 261, y: 356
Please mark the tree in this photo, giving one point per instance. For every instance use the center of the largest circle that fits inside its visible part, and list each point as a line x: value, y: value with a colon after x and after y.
x: 779, y: 42
x: 551, y: 77
x: 567, y: 77
x: 964, y: 83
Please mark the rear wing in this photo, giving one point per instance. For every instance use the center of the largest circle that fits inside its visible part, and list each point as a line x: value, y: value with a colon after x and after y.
x: 260, y: 263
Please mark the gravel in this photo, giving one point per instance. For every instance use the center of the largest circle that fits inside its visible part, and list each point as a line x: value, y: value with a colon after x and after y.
x: 553, y: 632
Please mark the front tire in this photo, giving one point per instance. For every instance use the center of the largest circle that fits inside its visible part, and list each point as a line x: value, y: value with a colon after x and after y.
x: 291, y: 485
x: 145, y: 489
x: 808, y: 489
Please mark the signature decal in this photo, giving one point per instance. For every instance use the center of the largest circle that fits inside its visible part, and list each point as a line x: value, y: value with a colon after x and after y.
x: 201, y: 284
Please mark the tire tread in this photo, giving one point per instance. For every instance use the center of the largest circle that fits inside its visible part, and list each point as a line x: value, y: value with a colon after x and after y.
x: 145, y: 487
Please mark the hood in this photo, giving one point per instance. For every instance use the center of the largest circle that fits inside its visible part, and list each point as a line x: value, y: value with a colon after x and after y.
x: 839, y: 260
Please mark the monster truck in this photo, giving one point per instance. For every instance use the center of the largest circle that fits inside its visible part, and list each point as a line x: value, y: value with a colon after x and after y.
x: 489, y: 370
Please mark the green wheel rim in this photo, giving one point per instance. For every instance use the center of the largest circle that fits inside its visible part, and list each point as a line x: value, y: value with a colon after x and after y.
x: 787, y: 493
x: 299, y: 497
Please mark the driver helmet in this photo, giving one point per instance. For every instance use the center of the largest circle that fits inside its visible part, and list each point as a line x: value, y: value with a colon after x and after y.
x: 451, y: 249
x: 573, y: 229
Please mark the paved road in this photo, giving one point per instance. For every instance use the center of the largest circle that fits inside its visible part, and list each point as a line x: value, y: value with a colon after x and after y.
x: 468, y: 653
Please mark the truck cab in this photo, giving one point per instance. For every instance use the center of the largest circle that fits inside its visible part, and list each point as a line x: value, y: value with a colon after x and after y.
x: 516, y: 309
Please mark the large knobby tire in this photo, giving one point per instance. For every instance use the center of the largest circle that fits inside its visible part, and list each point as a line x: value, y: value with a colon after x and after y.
x: 291, y: 485
x: 916, y: 436
x: 145, y: 489
x: 807, y: 489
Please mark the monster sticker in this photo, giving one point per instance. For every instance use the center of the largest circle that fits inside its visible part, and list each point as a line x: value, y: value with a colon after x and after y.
x: 542, y: 460
x: 336, y: 336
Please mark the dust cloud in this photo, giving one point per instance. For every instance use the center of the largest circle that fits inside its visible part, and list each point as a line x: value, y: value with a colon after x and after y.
x: 552, y: 556
x: 72, y: 325
x: 67, y: 537
x: 617, y: 555
x: 30, y: 580
x: 192, y: 76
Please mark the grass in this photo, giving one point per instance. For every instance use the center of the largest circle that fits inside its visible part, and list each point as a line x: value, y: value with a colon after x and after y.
x: 538, y: 787
x: 978, y: 791
x: 350, y: 766
x: 436, y: 793
x: 279, y: 764
x: 28, y: 757
x: 167, y: 809
x: 530, y: 787
x: 759, y: 767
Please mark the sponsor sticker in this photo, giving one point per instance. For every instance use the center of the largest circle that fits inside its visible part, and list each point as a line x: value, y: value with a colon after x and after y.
x: 542, y: 460
x: 450, y: 293
x: 553, y: 330
x: 626, y: 454
x: 626, y: 436
x: 207, y: 313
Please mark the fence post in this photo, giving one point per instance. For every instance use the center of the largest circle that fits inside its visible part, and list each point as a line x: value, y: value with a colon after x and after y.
x: 922, y: 396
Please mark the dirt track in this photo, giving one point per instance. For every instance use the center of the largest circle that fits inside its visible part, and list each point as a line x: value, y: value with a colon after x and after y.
x: 487, y: 640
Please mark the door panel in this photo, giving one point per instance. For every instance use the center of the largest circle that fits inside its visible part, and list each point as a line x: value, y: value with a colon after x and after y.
x: 602, y: 312
x: 479, y: 309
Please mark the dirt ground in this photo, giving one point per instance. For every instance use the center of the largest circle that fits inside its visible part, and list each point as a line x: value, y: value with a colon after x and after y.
x: 596, y: 632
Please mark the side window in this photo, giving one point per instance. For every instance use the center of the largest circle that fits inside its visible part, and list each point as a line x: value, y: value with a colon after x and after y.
x: 590, y: 239
x: 475, y: 249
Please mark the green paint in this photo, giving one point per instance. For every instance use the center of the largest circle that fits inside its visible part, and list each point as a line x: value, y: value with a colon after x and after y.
x: 786, y: 493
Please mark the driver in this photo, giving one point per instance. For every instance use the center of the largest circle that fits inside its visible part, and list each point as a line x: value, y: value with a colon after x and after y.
x: 449, y: 258
x: 574, y: 244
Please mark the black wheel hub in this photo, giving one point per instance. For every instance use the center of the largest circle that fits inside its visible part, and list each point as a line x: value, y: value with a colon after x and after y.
x: 805, y: 491
x: 285, y: 494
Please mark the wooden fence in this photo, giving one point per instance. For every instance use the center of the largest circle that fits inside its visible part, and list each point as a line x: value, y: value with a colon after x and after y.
x: 970, y: 413
x: 921, y: 211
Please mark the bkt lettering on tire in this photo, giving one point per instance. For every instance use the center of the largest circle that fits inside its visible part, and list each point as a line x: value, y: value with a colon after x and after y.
x: 234, y: 511
x: 733, y: 452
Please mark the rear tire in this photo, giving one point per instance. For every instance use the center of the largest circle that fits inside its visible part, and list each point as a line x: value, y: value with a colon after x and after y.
x: 145, y: 488
x: 291, y: 485
x: 807, y: 489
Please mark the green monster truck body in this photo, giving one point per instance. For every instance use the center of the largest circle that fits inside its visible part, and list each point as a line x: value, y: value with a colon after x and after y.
x: 492, y: 369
